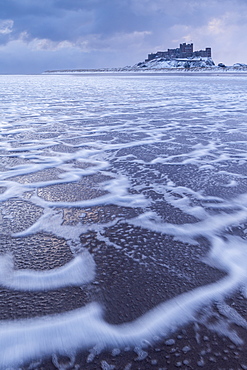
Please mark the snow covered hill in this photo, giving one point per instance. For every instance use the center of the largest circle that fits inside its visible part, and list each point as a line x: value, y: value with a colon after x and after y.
x: 159, y: 63
x: 194, y: 64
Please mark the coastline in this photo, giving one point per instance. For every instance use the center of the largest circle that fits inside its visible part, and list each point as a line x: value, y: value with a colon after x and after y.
x: 206, y: 70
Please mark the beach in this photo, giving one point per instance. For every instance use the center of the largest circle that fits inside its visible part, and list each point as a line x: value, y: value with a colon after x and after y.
x: 123, y: 210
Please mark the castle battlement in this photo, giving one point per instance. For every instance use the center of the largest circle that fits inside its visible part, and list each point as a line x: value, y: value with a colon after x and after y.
x: 184, y: 51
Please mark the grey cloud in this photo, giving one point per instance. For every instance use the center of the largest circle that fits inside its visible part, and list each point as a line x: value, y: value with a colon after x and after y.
x: 68, y: 20
x: 54, y: 19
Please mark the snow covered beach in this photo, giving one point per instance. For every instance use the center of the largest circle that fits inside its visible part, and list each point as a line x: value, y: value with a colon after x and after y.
x: 137, y: 184
x: 162, y: 65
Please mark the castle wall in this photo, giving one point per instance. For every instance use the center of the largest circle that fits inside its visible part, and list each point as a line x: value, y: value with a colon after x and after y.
x: 184, y: 51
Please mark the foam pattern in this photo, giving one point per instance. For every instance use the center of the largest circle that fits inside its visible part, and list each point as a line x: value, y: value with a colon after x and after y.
x: 108, y: 156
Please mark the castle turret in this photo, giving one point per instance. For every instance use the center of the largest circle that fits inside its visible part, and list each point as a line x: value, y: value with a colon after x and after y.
x: 208, y: 52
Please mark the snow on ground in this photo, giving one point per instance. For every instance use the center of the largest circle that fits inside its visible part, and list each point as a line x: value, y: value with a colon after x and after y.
x: 205, y: 65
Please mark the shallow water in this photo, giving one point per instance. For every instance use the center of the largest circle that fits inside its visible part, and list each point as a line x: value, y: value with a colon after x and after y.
x: 122, y: 218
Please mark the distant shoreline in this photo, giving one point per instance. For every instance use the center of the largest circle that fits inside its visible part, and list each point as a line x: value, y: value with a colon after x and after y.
x: 215, y: 69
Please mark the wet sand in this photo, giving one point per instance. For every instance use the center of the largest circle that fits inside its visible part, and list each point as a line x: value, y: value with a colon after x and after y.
x: 149, y: 177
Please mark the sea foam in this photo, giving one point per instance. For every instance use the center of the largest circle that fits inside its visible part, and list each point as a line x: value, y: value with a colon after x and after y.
x: 129, y: 153
x: 80, y: 271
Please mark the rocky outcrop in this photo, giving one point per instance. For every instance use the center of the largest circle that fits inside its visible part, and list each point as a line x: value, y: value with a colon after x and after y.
x: 160, y: 63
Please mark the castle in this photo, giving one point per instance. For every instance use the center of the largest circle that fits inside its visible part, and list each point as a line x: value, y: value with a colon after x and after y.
x: 184, y: 51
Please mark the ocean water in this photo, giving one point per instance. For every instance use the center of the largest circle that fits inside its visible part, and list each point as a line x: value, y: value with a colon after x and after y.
x: 123, y: 221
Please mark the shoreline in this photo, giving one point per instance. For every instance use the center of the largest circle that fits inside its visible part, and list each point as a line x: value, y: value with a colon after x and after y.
x: 209, y: 70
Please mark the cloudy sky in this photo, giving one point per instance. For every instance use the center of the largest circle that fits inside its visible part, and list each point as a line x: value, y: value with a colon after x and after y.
x: 37, y: 35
